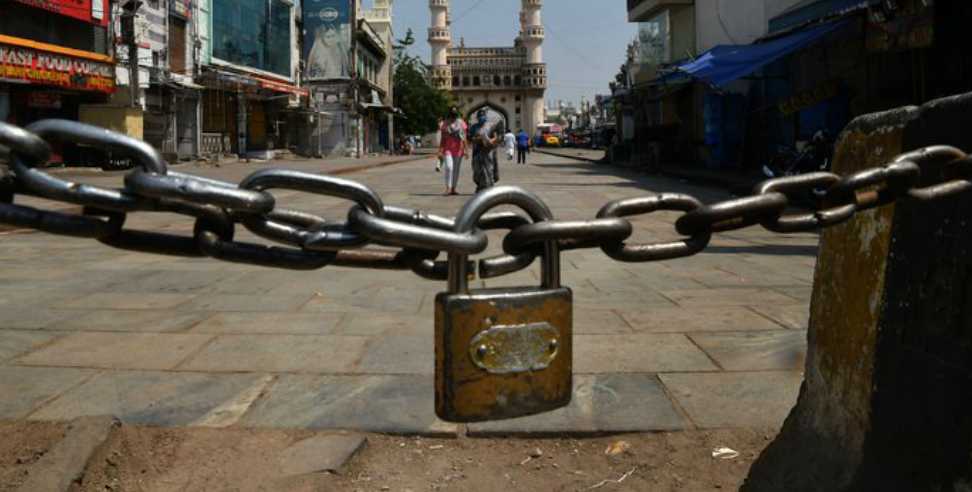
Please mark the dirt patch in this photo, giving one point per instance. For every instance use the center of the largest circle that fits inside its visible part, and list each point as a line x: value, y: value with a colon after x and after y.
x: 21, y: 445
x: 657, y: 462
x: 161, y: 459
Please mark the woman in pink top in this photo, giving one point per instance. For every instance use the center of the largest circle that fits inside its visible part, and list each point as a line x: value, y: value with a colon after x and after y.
x: 452, y: 148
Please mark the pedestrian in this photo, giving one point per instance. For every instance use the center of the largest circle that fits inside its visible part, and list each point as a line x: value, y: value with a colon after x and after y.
x: 522, y: 146
x: 452, y: 148
x: 509, y: 142
x: 484, y: 142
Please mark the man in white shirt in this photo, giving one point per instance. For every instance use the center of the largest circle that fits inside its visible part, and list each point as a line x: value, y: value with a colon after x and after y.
x: 509, y: 141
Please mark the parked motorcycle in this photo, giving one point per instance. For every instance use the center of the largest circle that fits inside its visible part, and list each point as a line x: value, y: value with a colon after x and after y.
x: 815, y: 156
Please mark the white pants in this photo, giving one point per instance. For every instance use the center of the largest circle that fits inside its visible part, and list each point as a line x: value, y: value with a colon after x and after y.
x: 452, y: 165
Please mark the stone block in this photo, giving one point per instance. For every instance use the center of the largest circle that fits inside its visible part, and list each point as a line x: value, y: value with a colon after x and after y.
x: 150, y: 398
x: 279, y: 353
x: 117, y: 350
x: 26, y: 388
x: 638, y: 353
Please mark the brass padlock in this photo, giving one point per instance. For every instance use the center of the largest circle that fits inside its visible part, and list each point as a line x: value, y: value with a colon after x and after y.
x: 502, y: 353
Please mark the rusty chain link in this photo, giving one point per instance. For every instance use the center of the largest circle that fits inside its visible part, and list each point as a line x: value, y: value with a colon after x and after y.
x: 408, y: 239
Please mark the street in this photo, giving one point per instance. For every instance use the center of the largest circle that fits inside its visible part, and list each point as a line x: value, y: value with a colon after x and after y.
x: 712, y: 341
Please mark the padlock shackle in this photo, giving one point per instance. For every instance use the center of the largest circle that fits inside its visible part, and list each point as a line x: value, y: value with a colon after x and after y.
x: 478, y: 206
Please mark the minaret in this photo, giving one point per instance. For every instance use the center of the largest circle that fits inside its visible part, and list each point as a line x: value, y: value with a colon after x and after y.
x: 535, y: 71
x: 441, y: 40
x: 533, y: 34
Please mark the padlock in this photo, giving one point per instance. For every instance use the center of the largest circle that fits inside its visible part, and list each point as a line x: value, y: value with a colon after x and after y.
x: 502, y: 353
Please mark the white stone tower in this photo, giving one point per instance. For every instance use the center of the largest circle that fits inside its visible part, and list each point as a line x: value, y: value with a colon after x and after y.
x: 440, y: 38
x: 535, y: 69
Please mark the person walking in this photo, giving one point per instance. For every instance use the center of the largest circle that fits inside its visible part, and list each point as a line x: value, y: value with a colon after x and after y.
x: 452, y: 148
x: 484, y: 142
x: 522, y: 146
x: 509, y: 142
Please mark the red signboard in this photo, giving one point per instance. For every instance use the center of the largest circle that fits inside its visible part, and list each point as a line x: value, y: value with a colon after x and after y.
x: 93, y: 11
x: 50, y: 68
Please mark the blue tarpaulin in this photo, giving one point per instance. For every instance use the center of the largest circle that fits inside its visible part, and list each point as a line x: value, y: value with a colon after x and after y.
x: 726, y: 63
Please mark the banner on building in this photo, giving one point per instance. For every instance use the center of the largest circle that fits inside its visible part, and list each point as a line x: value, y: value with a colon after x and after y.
x: 327, y: 39
x: 47, y: 68
x: 93, y: 11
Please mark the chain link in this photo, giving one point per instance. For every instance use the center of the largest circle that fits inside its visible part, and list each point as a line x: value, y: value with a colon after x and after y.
x: 412, y: 240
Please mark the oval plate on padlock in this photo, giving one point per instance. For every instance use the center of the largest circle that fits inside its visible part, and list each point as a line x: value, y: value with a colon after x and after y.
x: 512, y: 349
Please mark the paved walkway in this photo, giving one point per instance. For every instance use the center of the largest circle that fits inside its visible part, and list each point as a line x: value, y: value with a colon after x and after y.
x: 712, y: 341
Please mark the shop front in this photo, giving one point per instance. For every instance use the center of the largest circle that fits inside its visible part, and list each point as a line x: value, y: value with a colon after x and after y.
x: 40, y: 81
x: 248, y: 115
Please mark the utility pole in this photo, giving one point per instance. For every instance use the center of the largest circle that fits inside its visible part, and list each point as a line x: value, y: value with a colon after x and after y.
x: 130, y: 9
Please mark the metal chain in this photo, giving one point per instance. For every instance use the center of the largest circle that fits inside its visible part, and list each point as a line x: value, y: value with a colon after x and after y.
x: 408, y: 239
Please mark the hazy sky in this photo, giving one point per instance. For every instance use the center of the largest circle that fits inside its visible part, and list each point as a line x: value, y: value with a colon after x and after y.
x: 583, y: 50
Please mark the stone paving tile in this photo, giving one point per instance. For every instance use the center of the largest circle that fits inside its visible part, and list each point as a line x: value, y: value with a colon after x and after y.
x: 384, y: 300
x: 802, y: 294
x: 396, y: 354
x: 279, y: 353
x: 682, y: 320
x: 148, y: 397
x: 638, y: 353
x: 128, y: 321
x: 24, y: 298
x: 25, y: 388
x: 244, y: 303
x: 170, y: 282
x: 117, y: 350
x: 755, y: 351
x: 108, y: 300
x: 599, y: 321
x: 372, y: 324
x: 796, y: 316
x: 271, y: 323
x: 603, y: 403
x: 693, y: 298
x: 17, y: 342
x: 735, y: 399
x: 386, y: 404
x: 32, y: 319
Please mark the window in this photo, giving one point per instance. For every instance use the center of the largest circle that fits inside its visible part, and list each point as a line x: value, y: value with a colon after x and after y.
x: 506, y: 81
x: 465, y: 81
x: 455, y: 81
x: 496, y: 80
x: 476, y: 81
x: 518, y: 81
x: 654, y: 41
x: 253, y: 33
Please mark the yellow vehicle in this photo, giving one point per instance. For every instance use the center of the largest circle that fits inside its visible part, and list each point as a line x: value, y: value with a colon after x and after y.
x: 551, y: 141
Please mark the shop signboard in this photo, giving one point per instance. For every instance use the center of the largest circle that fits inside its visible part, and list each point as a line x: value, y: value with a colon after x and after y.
x: 810, y: 98
x: 44, y: 100
x: 909, y: 30
x: 327, y: 39
x: 55, y: 69
x: 93, y: 11
x: 181, y: 8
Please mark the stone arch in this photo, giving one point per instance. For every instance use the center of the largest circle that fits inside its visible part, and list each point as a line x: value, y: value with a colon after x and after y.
x: 494, y: 108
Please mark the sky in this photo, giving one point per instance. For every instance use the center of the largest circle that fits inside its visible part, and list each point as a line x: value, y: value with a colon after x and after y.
x: 585, y: 42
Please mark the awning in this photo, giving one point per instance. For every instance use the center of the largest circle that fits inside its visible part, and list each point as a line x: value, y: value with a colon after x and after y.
x: 726, y: 63
x: 815, y: 10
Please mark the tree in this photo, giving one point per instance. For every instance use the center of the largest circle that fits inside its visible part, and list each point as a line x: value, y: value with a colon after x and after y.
x: 422, y: 104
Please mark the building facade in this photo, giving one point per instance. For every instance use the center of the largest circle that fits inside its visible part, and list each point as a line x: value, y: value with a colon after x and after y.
x: 56, y: 61
x: 509, y: 81
x: 249, y: 68
x: 348, y: 58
